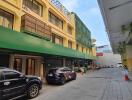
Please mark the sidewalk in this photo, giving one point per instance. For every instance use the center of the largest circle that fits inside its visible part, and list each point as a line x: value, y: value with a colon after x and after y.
x: 103, y: 84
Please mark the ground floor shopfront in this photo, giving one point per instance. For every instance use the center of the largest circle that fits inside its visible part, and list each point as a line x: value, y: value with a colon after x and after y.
x: 27, y: 64
x: 36, y: 64
x: 34, y: 56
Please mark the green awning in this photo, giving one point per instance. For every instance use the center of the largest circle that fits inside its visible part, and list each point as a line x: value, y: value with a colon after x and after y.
x: 14, y: 40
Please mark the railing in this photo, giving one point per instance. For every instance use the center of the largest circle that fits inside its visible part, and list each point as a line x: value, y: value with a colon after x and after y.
x: 61, y: 8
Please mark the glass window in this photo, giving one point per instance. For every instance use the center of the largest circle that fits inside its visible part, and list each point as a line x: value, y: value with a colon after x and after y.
x: 30, y: 70
x: 11, y: 75
x: 18, y: 64
x: 6, y: 19
x: 70, y: 44
x: 57, y: 39
x: 77, y: 47
x: 69, y: 30
x: 55, y: 20
x: 34, y: 6
x: 82, y: 49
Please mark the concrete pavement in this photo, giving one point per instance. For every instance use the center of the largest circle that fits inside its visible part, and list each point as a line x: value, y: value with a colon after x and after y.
x: 104, y: 84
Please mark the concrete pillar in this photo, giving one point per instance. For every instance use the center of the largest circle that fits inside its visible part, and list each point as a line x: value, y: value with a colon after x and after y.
x: 129, y: 57
x: 24, y: 64
x: 11, y: 61
x: 65, y: 27
x: 17, y: 22
x: 46, y: 14
x: 65, y: 42
x: 74, y: 45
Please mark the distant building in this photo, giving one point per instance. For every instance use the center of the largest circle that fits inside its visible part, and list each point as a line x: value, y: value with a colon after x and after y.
x: 105, y: 56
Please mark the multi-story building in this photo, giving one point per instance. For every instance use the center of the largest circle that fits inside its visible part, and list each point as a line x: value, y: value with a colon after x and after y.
x: 36, y: 35
x: 118, y: 21
x: 105, y: 56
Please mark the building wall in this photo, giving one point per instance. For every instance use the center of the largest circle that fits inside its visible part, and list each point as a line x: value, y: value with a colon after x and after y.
x: 109, y: 59
x: 129, y: 57
x: 15, y: 7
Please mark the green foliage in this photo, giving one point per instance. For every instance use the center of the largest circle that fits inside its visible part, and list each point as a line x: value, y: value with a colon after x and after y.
x: 121, y: 48
x: 125, y: 28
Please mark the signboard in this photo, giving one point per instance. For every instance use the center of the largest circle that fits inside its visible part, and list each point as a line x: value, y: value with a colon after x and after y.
x: 99, y: 54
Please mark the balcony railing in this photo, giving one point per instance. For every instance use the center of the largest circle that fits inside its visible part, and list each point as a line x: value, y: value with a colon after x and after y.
x: 61, y: 8
x: 35, y: 27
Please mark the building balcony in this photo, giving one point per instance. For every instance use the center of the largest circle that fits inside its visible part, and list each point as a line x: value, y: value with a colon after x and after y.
x: 61, y: 8
x: 34, y: 26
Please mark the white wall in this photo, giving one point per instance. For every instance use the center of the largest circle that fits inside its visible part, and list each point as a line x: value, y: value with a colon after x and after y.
x: 109, y: 59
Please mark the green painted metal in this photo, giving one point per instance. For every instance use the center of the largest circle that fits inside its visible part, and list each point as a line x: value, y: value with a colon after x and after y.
x: 83, y: 35
x: 14, y: 40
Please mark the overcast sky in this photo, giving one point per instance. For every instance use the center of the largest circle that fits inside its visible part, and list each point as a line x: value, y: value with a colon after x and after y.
x: 89, y: 12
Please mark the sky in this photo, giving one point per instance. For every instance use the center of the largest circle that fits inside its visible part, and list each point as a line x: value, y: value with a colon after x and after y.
x: 89, y: 12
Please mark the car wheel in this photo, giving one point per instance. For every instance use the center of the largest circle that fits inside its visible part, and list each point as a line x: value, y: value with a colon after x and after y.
x: 63, y: 80
x: 33, y: 91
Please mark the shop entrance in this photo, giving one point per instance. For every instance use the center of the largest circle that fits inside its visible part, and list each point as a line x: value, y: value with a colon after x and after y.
x: 4, y: 60
x: 30, y: 69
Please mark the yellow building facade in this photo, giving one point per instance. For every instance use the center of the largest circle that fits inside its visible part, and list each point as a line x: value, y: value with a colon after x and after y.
x: 43, y: 19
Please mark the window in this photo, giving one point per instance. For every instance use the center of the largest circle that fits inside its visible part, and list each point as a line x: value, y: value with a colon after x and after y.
x: 69, y: 44
x: 11, y: 75
x: 30, y: 70
x: 57, y: 39
x: 82, y: 49
x: 55, y: 20
x: 34, y: 6
x: 69, y: 30
x: 86, y: 50
x: 77, y: 47
x: 18, y: 64
x: 6, y: 19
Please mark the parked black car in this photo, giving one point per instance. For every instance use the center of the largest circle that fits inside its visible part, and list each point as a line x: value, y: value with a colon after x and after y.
x: 14, y: 85
x: 60, y: 75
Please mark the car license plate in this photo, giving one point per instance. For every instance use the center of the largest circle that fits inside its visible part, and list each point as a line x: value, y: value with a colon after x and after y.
x: 50, y: 75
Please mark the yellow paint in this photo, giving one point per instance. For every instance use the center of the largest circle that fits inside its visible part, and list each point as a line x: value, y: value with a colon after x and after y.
x: 94, y: 51
x: 15, y: 7
x: 129, y: 64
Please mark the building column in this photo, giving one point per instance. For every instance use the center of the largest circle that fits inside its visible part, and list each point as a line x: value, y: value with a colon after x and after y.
x: 46, y: 14
x: 11, y: 61
x: 129, y: 57
x: 24, y: 64
x: 65, y: 42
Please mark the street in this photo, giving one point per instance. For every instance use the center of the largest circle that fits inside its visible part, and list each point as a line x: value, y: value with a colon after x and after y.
x: 104, y: 84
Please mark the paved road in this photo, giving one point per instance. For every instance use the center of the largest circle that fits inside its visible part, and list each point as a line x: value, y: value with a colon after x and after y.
x: 104, y: 84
